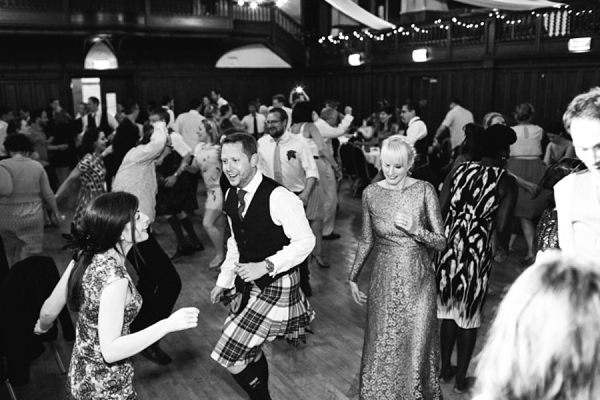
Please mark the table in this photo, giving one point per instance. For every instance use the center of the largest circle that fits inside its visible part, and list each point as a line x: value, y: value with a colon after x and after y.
x: 372, y: 155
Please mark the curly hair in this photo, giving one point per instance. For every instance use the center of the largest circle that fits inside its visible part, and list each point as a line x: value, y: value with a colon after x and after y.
x: 18, y: 143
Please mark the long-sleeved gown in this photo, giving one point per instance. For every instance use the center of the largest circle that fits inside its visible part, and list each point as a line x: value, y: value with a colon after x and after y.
x: 401, y: 348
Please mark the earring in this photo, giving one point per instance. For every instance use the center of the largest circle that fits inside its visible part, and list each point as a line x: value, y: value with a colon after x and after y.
x: 122, y: 237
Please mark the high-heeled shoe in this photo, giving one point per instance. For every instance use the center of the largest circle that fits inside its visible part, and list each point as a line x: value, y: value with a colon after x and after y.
x: 321, y: 261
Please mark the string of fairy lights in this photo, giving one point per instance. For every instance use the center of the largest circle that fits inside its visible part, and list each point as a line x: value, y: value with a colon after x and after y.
x: 253, y: 4
x: 466, y: 23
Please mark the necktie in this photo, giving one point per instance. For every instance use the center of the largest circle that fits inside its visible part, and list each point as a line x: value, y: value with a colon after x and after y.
x: 277, y: 173
x: 255, y: 127
x: 92, y: 121
x: 242, y: 204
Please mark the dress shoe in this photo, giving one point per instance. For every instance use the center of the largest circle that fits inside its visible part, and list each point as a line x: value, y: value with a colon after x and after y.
x: 321, y: 261
x: 332, y: 236
x: 306, y: 289
x: 468, y: 386
x: 197, y: 247
x: 157, y: 355
x: 185, y: 250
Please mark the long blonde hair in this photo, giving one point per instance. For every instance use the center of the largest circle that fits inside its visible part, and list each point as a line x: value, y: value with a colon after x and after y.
x: 545, y: 340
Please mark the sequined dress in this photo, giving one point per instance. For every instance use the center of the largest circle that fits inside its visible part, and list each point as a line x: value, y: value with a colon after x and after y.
x: 90, y: 377
x: 401, y: 347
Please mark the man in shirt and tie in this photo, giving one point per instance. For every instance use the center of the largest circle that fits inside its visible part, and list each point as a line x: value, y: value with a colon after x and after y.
x: 254, y: 122
x: 287, y: 159
x: 271, y: 236
x: 98, y: 119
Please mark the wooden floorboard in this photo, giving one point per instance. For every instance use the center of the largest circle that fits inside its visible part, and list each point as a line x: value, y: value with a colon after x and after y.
x: 326, y: 368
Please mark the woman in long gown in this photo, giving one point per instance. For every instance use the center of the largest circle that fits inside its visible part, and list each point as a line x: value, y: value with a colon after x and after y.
x: 477, y: 198
x: 402, y: 227
x: 96, y: 285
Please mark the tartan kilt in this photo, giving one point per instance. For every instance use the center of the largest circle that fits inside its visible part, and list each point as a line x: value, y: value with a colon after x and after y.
x: 278, y: 311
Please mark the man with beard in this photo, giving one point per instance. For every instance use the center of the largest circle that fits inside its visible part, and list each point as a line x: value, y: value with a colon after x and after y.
x: 287, y: 159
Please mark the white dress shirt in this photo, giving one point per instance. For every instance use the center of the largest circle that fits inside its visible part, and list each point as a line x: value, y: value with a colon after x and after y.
x: 287, y: 211
x: 171, y: 116
x: 331, y: 132
x: 297, y: 162
x: 455, y: 121
x: 248, y: 122
x: 3, y: 129
x: 190, y: 125
x: 137, y: 173
x: 179, y: 144
x: 112, y: 122
x: 416, y: 130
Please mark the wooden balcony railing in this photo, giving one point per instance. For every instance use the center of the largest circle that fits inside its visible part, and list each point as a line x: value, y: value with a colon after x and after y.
x: 484, y: 29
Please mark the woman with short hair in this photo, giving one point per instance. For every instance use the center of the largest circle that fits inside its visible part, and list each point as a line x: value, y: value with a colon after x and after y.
x: 477, y: 199
x: 24, y: 186
x: 402, y: 228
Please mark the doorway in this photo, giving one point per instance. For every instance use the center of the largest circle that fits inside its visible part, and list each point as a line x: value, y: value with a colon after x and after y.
x: 109, y: 90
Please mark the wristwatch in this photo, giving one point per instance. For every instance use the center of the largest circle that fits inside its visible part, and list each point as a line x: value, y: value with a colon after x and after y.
x: 270, y: 266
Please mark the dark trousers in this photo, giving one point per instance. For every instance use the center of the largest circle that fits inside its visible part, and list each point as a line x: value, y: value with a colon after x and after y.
x: 158, y: 283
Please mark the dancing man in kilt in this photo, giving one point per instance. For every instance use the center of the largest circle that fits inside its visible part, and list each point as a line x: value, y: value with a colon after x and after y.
x: 271, y: 236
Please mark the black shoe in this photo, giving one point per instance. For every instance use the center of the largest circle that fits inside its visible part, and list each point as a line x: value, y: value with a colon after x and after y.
x: 307, y: 290
x: 198, y: 247
x: 332, y: 236
x: 186, y: 250
x: 157, y: 355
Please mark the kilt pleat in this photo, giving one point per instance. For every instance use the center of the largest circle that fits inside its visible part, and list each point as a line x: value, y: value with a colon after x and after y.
x: 280, y: 311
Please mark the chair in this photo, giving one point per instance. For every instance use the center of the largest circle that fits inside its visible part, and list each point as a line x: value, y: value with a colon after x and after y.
x: 348, y: 166
x: 364, y: 171
x: 22, y: 294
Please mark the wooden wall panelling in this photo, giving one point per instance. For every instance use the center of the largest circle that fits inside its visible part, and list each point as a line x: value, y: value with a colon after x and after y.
x: 10, y: 96
x: 40, y: 94
x: 25, y: 96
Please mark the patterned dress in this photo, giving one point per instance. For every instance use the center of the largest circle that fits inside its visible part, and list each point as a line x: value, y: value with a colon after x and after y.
x: 463, y: 270
x: 90, y: 377
x: 546, y: 233
x: 207, y: 158
x: 93, y: 174
x: 401, y: 347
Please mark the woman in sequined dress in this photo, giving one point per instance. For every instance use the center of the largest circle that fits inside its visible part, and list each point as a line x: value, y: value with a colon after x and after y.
x: 477, y: 198
x: 402, y: 227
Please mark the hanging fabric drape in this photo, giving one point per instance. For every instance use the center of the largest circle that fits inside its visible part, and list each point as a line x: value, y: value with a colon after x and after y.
x: 361, y: 15
x: 512, y: 5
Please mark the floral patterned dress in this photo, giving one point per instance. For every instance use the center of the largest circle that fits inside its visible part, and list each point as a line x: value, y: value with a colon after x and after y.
x: 90, y: 377
x: 93, y: 173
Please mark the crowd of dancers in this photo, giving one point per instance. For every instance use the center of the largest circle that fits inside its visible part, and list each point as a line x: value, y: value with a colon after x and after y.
x: 275, y: 184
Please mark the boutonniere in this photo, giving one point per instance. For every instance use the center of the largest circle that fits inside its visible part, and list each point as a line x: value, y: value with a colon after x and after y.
x: 291, y: 154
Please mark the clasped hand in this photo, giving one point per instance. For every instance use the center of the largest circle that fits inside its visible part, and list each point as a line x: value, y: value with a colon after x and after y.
x: 405, y: 222
x: 251, y: 271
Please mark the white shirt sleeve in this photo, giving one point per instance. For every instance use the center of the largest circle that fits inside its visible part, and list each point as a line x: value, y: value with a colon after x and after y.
x: 179, y: 144
x: 563, y: 195
x: 226, y: 277
x: 308, y: 162
x: 151, y: 151
x: 330, y: 132
x: 416, y: 132
x: 288, y: 212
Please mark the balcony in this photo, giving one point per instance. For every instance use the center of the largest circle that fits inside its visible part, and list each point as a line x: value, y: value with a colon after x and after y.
x: 224, y: 19
x: 479, y: 35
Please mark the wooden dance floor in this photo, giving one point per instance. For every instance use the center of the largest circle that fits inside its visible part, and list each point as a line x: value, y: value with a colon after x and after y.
x: 326, y: 368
